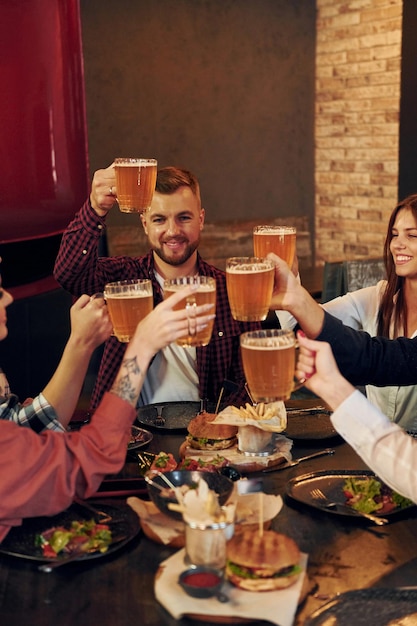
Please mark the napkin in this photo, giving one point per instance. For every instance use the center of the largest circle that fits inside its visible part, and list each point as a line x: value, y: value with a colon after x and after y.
x: 160, y: 527
x: 278, y: 607
x: 276, y: 422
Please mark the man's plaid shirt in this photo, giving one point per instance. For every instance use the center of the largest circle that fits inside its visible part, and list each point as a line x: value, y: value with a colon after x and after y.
x: 79, y: 270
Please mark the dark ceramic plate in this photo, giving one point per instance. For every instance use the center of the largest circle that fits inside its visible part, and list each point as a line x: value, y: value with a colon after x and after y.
x: 169, y: 415
x: 331, y: 484
x: 389, y: 607
x: 20, y: 541
x: 309, y: 425
x: 139, y: 438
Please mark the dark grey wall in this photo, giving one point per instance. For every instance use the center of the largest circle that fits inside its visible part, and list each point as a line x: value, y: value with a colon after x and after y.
x: 408, y: 120
x: 222, y: 87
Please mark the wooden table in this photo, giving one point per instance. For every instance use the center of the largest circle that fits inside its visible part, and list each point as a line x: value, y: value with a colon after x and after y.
x: 118, y: 590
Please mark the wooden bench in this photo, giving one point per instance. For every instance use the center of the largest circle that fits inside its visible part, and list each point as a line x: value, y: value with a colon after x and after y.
x: 219, y: 240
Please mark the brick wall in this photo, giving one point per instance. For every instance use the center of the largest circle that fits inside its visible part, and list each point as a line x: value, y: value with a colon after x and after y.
x: 357, y: 125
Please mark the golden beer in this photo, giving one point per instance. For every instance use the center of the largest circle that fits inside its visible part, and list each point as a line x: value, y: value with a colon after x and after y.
x: 206, y: 294
x: 268, y: 358
x: 128, y: 302
x: 249, y: 282
x: 278, y: 239
x: 135, y: 183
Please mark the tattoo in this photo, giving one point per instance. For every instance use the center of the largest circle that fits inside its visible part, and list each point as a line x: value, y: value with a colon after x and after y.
x: 124, y: 387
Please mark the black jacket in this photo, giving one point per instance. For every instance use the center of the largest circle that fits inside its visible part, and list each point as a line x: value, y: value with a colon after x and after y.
x: 364, y: 360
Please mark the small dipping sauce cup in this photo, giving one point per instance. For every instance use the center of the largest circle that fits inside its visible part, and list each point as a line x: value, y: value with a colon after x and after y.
x: 202, y: 582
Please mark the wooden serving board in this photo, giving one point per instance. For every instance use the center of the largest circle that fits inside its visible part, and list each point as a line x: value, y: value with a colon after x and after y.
x: 245, y: 463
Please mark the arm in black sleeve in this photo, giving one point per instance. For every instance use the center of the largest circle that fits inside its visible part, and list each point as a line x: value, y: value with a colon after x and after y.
x: 363, y: 359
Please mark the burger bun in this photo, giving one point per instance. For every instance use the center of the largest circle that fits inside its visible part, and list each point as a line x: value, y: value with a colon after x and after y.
x: 204, y: 435
x: 270, y: 559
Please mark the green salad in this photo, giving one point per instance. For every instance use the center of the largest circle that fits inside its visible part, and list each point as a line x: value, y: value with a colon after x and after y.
x: 370, y: 495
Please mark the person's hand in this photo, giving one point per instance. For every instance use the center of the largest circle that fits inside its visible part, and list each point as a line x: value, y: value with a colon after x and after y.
x: 90, y: 321
x: 316, y: 366
x: 163, y: 325
x: 103, y: 190
x: 295, y: 267
x: 286, y: 286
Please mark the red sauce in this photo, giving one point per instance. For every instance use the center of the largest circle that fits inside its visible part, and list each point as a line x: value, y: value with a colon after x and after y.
x: 202, y: 579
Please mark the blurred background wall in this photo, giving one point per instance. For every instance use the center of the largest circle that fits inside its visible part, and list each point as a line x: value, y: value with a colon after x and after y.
x: 222, y: 87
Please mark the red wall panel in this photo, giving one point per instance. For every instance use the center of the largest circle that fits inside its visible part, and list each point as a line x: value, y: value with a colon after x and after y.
x: 43, y: 141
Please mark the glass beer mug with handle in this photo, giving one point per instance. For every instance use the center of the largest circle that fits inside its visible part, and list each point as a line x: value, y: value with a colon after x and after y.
x: 206, y: 294
x: 269, y: 359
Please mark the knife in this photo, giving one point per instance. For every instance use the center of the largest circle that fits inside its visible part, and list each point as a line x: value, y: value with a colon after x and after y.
x: 310, y: 410
x: 295, y: 462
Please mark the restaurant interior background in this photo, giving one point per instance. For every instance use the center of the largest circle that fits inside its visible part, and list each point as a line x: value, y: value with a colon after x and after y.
x: 283, y: 109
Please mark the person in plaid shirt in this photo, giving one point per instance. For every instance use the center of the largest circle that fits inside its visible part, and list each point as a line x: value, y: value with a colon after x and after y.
x: 173, y: 225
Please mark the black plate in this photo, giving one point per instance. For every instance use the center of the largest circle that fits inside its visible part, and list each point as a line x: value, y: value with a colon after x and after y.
x: 310, y: 425
x: 363, y: 606
x: 139, y: 438
x: 20, y: 541
x: 175, y: 415
x: 331, y: 484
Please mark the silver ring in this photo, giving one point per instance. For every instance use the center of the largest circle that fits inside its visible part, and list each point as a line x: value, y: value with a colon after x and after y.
x: 111, y: 191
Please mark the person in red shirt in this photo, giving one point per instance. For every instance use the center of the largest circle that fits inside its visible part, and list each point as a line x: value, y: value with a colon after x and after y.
x: 43, y: 473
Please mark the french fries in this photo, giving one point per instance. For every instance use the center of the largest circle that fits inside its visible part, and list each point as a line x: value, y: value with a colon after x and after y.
x: 258, y: 412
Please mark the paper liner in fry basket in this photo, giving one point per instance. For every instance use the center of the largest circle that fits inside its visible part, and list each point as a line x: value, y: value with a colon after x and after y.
x: 271, y: 417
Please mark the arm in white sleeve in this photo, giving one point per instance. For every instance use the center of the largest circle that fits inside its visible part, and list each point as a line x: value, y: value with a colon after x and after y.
x: 286, y: 320
x: 387, y: 449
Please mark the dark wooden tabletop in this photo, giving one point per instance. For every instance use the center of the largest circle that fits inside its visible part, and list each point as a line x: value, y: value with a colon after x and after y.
x: 117, y: 590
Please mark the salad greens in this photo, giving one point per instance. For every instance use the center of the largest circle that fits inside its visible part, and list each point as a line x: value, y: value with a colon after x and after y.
x: 370, y: 495
x: 85, y: 536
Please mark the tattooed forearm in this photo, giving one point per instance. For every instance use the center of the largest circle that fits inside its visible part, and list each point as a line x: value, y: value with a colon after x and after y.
x: 126, y: 385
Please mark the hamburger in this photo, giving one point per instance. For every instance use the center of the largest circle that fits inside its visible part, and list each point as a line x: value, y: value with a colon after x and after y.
x: 262, y: 563
x: 203, y: 435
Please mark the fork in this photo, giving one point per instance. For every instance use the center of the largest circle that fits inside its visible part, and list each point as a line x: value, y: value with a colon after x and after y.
x: 159, y: 420
x: 318, y: 495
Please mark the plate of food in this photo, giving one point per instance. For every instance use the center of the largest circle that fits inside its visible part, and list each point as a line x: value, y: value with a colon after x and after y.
x: 139, y: 437
x: 54, y: 538
x: 169, y: 415
x: 355, y: 492
x: 249, y: 438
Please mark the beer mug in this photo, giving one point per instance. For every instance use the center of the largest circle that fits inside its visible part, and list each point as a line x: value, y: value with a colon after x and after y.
x: 135, y: 183
x: 128, y: 302
x: 278, y: 239
x: 206, y: 294
x: 268, y: 358
x: 250, y: 282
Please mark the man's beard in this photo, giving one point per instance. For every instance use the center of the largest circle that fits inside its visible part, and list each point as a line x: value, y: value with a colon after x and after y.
x: 177, y: 260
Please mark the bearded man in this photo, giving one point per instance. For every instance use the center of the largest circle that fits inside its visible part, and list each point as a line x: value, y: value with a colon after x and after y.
x: 173, y: 225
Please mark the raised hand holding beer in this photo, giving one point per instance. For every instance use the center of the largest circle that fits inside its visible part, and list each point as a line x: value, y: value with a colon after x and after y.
x: 205, y: 294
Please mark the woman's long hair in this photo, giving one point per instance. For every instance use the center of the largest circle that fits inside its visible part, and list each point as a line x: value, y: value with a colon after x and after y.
x: 393, y: 310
